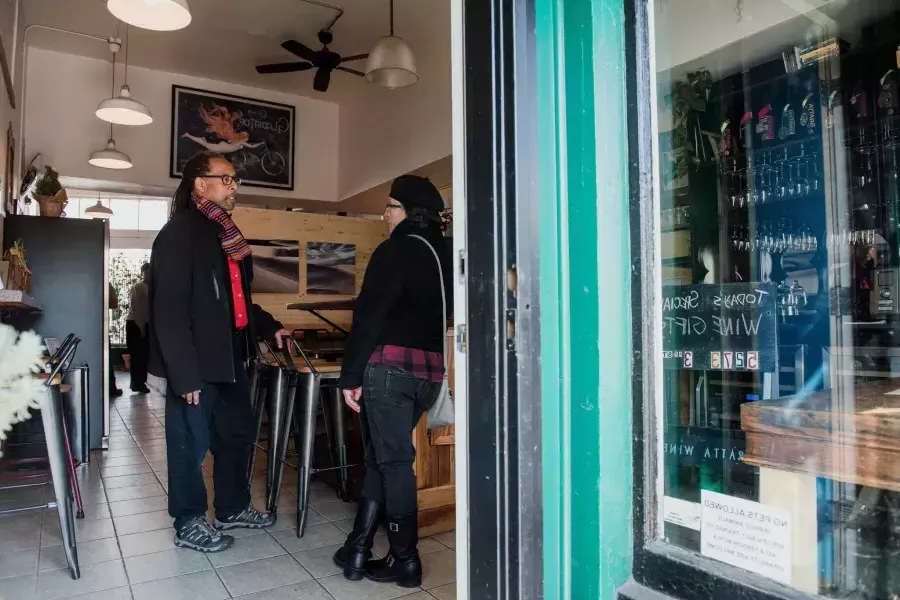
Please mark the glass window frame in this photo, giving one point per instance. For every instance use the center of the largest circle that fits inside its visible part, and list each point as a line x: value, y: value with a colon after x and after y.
x: 658, y: 565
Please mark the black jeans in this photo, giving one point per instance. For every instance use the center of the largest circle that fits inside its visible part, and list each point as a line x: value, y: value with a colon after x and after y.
x: 139, y: 348
x: 392, y: 404
x: 222, y: 423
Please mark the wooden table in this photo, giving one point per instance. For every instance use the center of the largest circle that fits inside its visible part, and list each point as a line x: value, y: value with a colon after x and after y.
x: 316, y: 308
x: 850, y: 436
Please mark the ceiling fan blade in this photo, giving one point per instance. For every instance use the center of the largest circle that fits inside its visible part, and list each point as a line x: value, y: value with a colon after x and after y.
x: 322, y: 79
x: 353, y: 71
x: 293, y: 67
x: 304, y: 52
x: 354, y: 57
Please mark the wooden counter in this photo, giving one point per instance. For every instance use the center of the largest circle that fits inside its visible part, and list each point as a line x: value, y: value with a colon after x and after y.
x: 854, y: 439
x: 435, y: 468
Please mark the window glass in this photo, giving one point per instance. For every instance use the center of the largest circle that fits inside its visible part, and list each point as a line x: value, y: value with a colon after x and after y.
x: 779, y: 169
x: 125, y: 213
x: 153, y: 214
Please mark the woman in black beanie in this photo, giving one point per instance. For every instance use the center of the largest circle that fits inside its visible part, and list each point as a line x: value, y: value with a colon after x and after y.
x: 392, y: 374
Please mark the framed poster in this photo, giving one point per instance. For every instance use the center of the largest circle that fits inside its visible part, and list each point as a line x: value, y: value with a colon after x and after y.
x: 256, y: 136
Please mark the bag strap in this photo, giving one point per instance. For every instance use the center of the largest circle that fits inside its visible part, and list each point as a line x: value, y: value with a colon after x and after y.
x: 443, y: 297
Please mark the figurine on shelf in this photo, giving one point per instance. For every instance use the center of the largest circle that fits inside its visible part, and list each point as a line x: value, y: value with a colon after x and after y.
x: 447, y: 222
x: 19, y: 273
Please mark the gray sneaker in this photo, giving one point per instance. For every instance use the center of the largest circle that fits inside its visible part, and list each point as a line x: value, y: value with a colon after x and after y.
x: 249, y: 518
x: 197, y: 534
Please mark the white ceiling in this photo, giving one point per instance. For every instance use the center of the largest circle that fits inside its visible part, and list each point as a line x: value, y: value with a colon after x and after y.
x: 227, y: 38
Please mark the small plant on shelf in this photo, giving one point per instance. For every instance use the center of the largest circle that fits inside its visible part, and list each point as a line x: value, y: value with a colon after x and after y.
x: 689, y: 101
x: 50, y: 194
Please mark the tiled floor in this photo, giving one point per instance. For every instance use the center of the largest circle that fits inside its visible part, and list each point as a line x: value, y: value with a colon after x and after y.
x: 125, y: 541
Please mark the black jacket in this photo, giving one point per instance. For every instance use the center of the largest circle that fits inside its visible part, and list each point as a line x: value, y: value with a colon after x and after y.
x: 192, y: 328
x: 400, y: 300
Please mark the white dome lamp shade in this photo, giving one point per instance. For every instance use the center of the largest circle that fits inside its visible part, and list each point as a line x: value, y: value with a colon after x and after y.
x: 391, y: 63
x: 156, y: 15
x: 98, y: 211
x: 124, y: 110
x: 110, y: 157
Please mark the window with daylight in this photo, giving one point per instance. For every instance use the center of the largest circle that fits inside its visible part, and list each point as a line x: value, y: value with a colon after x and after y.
x: 131, y: 213
x: 778, y: 436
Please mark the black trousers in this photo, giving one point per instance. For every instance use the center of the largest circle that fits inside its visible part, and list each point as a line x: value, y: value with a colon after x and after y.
x: 139, y: 348
x: 222, y: 423
x: 392, y: 404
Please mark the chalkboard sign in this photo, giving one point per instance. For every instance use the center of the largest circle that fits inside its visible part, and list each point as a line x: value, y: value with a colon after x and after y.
x: 727, y: 327
x: 256, y: 136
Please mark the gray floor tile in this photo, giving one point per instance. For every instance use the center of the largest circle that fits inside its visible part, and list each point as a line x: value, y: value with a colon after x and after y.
x: 19, y: 522
x: 147, y: 543
x: 122, y: 593
x: 91, y: 513
x: 315, y: 536
x: 342, y: 589
x: 335, y: 511
x: 308, y: 590
x: 143, y: 522
x: 245, y: 549
x: 16, y: 563
x: 138, y: 506
x: 121, y: 461
x: 112, y: 483
x: 259, y: 575
x: 138, y: 469
x: 162, y: 565
x: 90, y: 497
x: 448, y: 539
x: 287, y: 519
x: 445, y: 592
x: 319, y: 561
x: 19, y: 588
x: 195, y: 586
x: 133, y: 492
x: 89, y: 553
x: 438, y: 569
x: 347, y: 526
x: 114, y: 453
x: 94, y: 578
x: 85, y: 531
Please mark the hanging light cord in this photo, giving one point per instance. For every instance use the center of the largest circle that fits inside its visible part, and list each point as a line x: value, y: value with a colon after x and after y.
x: 127, y: 48
x: 392, y: 18
x: 113, y: 94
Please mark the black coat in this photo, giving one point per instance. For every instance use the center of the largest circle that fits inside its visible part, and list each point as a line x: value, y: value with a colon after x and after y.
x: 192, y: 328
x: 400, y: 300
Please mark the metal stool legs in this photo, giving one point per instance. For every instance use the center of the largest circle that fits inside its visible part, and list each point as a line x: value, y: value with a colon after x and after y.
x: 51, y: 414
x: 276, y: 398
x: 336, y: 399
x: 306, y: 428
x: 258, y: 375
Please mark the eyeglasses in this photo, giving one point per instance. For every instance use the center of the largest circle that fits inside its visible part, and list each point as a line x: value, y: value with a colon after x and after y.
x: 226, y: 179
x: 393, y: 206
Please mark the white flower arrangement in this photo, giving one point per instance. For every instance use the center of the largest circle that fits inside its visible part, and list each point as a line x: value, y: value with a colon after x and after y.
x: 20, y: 390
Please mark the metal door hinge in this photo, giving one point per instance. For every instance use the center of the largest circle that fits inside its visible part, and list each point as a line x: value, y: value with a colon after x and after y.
x: 461, y: 266
x: 461, y: 338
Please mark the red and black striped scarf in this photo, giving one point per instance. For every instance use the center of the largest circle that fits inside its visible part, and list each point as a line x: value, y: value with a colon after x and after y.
x: 233, y: 242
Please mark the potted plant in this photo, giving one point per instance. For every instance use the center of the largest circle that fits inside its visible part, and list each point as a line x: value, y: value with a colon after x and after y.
x: 50, y: 194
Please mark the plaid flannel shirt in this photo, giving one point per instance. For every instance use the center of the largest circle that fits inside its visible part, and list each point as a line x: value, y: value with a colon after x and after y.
x: 421, y: 364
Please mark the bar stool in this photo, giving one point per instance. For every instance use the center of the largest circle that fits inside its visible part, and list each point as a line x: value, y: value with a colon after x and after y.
x: 59, y: 456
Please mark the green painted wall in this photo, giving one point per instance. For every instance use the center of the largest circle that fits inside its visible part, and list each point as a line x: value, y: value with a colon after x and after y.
x: 585, y: 298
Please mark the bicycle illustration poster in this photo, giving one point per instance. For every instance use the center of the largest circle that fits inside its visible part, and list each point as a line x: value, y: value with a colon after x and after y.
x: 256, y: 136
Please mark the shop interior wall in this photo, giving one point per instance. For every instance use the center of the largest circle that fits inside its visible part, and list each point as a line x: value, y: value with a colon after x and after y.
x: 303, y: 227
x: 12, y: 30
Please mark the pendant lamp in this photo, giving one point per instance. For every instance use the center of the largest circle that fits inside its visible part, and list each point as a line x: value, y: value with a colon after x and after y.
x: 123, y: 109
x: 156, y: 15
x: 98, y: 211
x: 391, y: 63
x: 110, y: 157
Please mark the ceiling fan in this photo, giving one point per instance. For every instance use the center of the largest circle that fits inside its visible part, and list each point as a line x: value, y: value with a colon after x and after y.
x: 324, y: 60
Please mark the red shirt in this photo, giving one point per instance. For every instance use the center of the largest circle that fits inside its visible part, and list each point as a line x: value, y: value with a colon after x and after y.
x: 237, y: 294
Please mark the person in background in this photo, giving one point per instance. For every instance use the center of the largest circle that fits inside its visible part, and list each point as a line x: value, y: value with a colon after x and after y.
x: 204, y: 328
x: 392, y: 373
x: 114, y: 391
x: 136, y: 332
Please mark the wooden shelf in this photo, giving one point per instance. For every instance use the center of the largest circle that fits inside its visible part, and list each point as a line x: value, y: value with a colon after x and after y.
x: 11, y: 300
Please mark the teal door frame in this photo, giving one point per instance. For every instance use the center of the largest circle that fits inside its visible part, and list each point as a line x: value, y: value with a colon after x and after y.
x: 585, y: 297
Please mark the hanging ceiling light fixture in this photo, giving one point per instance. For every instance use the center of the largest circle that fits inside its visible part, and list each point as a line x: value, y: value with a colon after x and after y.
x: 391, y: 63
x: 98, y: 211
x: 156, y: 15
x: 123, y: 109
x: 109, y: 157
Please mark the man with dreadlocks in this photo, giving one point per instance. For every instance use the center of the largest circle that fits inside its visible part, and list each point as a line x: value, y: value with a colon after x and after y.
x: 204, y: 328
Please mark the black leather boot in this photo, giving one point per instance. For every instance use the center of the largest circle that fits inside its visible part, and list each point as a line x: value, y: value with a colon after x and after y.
x: 357, y: 550
x: 402, y: 565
